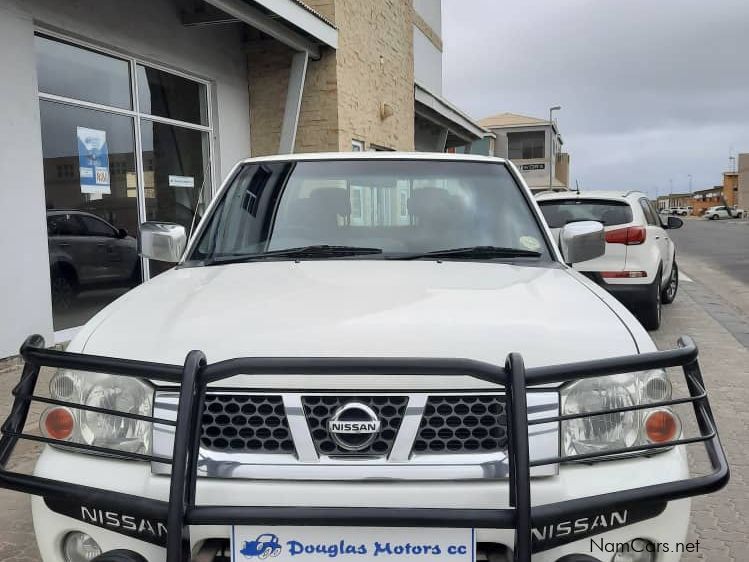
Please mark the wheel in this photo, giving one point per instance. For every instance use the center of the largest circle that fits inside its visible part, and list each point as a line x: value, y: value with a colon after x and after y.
x: 276, y: 552
x: 63, y: 289
x: 669, y: 292
x: 713, y: 217
x: 265, y: 553
x: 649, y: 312
x: 119, y: 555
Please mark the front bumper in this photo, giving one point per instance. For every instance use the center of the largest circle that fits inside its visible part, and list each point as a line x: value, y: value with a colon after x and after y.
x: 500, y: 509
x: 573, y: 481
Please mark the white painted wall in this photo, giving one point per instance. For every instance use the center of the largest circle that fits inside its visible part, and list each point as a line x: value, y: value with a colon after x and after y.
x: 431, y: 11
x: 147, y: 29
x: 25, y: 302
x: 427, y: 63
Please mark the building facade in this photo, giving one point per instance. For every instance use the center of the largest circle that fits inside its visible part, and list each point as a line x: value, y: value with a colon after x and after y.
x: 726, y: 194
x: 122, y: 112
x: 742, y: 181
x: 534, y: 145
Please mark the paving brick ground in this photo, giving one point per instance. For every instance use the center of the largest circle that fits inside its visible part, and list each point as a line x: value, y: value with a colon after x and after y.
x: 720, y: 521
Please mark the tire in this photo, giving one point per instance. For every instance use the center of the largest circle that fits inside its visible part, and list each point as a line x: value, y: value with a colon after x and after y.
x: 669, y: 292
x: 649, y: 312
x: 64, y: 289
x: 713, y: 217
x: 119, y: 555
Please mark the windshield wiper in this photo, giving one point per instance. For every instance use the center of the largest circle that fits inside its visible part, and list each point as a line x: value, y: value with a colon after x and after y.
x: 316, y: 251
x: 475, y: 252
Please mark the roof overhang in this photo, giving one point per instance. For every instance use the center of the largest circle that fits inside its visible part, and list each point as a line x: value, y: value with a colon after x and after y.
x: 288, y: 21
x: 444, y: 114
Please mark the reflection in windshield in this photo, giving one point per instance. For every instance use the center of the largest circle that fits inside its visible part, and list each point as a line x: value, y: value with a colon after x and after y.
x: 399, y: 206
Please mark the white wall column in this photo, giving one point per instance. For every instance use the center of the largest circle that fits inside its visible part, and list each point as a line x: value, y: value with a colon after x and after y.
x: 297, y: 74
x: 25, y: 300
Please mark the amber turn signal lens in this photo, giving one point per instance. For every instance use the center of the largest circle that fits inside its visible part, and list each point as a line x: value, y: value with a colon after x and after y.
x: 662, y: 426
x: 58, y: 423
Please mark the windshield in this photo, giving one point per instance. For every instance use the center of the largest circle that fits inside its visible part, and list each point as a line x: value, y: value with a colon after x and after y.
x: 384, y: 208
x: 559, y: 212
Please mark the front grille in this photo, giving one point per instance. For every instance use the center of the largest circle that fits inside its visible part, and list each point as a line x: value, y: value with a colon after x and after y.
x: 249, y: 423
x: 319, y: 409
x: 462, y: 424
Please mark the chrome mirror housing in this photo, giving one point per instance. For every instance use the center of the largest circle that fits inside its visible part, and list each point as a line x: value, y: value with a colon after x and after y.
x: 582, y: 241
x: 162, y: 241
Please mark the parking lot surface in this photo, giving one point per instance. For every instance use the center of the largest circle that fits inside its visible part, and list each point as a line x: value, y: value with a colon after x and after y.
x: 711, y: 306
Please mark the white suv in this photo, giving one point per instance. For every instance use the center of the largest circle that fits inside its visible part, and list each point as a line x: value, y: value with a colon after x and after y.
x: 396, y: 363
x: 639, y: 266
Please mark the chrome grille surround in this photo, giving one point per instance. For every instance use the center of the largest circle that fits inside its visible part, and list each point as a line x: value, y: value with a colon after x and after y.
x: 402, y: 462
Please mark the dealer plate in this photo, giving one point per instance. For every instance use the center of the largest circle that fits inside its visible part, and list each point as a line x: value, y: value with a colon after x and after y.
x: 323, y: 544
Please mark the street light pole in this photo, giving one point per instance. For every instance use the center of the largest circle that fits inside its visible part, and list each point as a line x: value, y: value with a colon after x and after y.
x: 551, y: 143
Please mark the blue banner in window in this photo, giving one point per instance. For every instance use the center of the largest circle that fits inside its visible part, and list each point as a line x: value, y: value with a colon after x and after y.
x: 93, y: 160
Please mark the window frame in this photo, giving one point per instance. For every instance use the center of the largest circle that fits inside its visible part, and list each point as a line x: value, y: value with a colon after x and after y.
x: 523, y: 137
x: 650, y: 218
x: 136, y: 115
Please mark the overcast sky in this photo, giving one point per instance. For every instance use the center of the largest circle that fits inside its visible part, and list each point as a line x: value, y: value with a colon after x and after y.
x: 651, y: 90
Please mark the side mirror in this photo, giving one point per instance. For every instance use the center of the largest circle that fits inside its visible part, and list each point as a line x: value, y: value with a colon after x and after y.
x: 674, y: 222
x: 162, y: 241
x: 582, y: 241
x: 121, y: 233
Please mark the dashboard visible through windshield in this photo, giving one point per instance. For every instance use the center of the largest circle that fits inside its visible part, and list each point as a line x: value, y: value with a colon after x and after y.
x: 395, y: 209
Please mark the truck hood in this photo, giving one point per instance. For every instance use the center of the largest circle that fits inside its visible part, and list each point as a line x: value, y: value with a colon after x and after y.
x: 480, y: 311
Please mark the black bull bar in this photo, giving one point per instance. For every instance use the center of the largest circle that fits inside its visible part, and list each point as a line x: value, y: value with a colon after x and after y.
x: 193, y: 377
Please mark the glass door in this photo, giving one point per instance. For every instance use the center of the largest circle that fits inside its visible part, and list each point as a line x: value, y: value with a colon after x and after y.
x: 123, y: 142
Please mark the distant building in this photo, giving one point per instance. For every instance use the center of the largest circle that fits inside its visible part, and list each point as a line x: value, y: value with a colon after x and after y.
x: 719, y: 195
x: 679, y: 200
x: 662, y: 202
x: 534, y: 145
x: 742, y: 181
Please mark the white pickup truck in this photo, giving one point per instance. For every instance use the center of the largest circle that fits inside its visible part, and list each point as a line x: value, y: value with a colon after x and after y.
x: 723, y: 212
x: 395, y: 362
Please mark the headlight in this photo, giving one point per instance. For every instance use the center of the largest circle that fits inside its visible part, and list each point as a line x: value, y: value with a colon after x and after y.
x: 110, y: 392
x: 616, y: 430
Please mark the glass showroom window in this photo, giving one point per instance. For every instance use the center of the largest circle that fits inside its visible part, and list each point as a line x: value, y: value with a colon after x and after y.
x: 123, y: 142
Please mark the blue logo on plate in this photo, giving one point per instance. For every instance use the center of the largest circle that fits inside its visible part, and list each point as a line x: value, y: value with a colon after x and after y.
x: 262, y: 547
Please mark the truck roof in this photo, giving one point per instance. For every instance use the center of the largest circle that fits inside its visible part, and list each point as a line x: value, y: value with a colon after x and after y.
x: 381, y: 155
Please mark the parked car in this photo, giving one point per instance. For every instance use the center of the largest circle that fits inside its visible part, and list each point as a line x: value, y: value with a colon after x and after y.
x: 683, y: 211
x: 86, y: 251
x: 723, y: 212
x: 396, y: 361
x: 639, y: 266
